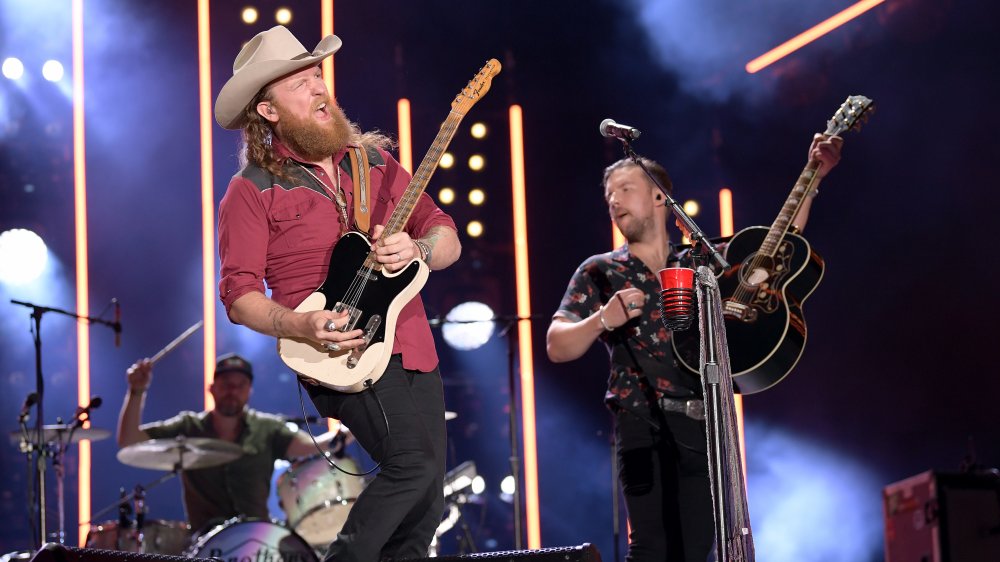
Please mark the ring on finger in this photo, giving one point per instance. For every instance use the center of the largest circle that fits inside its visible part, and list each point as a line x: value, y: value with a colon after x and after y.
x: 330, y: 326
x: 333, y: 346
x: 632, y: 306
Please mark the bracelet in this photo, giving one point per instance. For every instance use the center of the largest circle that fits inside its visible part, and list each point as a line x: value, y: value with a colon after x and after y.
x: 136, y: 391
x: 425, y: 250
x: 600, y: 316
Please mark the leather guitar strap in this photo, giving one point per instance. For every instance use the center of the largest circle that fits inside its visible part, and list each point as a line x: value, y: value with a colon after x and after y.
x: 361, y: 176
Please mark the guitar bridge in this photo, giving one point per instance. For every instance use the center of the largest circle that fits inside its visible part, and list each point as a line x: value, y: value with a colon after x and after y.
x: 354, y: 314
x: 739, y: 311
x: 369, y: 333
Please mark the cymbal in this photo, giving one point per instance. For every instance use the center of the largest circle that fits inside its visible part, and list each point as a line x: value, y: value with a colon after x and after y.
x: 185, y: 453
x: 449, y: 415
x: 58, y: 433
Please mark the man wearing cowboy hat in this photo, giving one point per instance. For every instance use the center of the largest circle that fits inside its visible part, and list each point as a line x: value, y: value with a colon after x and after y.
x: 279, y: 221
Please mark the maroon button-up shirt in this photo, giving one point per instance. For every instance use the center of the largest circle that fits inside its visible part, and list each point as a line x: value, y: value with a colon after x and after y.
x: 283, y: 234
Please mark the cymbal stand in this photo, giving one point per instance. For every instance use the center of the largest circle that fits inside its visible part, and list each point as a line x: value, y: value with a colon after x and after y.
x: 38, y: 447
x: 131, y: 497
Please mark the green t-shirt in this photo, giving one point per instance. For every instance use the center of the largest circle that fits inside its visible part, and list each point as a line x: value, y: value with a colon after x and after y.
x: 236, y: 488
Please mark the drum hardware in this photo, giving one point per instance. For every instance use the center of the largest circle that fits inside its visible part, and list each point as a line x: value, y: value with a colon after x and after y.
x: 39, y: 451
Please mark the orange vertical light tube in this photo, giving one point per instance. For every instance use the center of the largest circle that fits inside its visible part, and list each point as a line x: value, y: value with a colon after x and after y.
x: 530, y: 444
x: 82, y: 264
x: 726, y: 229
x: 810, y: 35
x: 405, y: 135
x: 326, y: 28
x: 207, y: 196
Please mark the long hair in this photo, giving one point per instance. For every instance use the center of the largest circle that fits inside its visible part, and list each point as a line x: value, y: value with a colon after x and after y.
x: 256, y: 148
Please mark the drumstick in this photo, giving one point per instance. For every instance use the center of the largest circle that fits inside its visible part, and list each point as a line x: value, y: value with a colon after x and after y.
x: 177, y: 341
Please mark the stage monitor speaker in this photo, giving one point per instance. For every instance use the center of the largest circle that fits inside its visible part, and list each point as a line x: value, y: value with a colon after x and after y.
x: 943, y: 517
x: 53, y: 552
x: 586, y: 552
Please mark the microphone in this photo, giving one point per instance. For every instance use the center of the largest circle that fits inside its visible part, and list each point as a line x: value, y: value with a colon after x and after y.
x: 611, y: 129
x: 118, y: 323
x: 29, y: 401
x: 677, y: 299
x: 83, y: 412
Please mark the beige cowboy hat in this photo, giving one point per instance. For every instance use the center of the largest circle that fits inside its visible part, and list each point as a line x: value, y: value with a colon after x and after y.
x: 268, y: 56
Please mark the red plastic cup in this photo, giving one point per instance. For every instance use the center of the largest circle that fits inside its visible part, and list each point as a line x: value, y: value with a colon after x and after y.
x: 677, y: 278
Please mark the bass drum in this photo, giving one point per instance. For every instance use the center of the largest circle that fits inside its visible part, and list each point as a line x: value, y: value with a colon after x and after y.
x: 317, y: 497
x: 255, y: 540
x: 158, y: 537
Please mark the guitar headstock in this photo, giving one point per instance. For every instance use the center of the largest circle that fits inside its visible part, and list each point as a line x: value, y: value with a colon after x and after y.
x: 476, y: 88
x: 851, y: 115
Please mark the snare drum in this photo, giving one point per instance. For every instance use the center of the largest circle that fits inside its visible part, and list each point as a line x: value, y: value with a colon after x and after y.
x: 317, y: 497
x: 158, y: 537
x: 241, y: 539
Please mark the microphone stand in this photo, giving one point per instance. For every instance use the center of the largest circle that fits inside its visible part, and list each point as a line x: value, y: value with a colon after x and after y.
x: 38, y: 447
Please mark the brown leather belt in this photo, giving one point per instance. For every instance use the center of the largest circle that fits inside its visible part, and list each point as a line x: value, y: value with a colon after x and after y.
x: 694, y: 409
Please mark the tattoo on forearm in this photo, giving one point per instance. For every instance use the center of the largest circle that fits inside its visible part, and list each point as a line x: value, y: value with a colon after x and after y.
x: 277, y: 315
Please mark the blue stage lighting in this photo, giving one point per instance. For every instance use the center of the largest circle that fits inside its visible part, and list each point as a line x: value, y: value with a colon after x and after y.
x: 468, y: 326
x: 52, y: 70
x: 23, y: 256
x: 13, y: 68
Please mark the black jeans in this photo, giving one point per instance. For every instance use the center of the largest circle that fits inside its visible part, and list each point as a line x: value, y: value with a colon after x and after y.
x: 664, y: 477
x: 396, y: 515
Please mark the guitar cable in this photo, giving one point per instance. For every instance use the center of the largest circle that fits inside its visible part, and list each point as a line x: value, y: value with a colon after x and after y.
x: 325, y: 454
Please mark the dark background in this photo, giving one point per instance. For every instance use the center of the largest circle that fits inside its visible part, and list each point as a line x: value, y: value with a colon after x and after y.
x: 898, y: 375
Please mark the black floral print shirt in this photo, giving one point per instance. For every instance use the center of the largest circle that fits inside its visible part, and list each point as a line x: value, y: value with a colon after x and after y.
x: 642, y: 363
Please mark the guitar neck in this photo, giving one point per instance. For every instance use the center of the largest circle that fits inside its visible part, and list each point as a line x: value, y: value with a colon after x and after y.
x: 791, y: 207
x: 418, y: 183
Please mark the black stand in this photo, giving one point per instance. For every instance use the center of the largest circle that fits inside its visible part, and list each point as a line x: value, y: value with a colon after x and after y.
x: 37, y: 448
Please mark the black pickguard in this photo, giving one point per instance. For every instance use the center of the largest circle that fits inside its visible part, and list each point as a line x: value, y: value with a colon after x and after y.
x: 377, y: 291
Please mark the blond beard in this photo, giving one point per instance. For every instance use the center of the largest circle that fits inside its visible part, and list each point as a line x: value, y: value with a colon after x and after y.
x: 314, y: 140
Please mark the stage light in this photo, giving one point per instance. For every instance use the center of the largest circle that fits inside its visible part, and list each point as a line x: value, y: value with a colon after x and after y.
x: 468, y: 326
x: 250, y: 15
x: 283, y: 16
x: 23, y: 256
x: 460, y: 478
x: 477, y: 196
x: 478, y: 130
x: 447, y: 160
x: 474, y: 229
x: 476, y: 162
x: 691, y: 207
x: 13, y: 68
x: 52, y: 70
x: 446, y: 196
x: 478, y: 485
x: 508, y: 485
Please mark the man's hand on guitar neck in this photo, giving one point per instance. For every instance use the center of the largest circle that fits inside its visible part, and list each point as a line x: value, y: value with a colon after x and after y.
x: 396, y: 251
x: 827, y: 151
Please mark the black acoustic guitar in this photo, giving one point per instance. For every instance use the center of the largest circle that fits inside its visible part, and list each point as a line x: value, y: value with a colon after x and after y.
x: 773, y: 273
x: 357, y: 284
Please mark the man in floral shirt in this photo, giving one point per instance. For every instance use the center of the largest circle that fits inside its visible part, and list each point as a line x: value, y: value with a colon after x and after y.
x: 658, y: 407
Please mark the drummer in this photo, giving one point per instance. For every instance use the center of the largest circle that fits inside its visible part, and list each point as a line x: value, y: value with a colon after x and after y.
x: 240, y: 487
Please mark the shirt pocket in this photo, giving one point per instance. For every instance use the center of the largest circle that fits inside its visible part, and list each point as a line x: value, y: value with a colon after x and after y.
x: 293, y: 225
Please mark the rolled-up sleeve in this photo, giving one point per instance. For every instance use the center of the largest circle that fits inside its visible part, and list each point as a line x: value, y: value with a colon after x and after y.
x: 243, y: 236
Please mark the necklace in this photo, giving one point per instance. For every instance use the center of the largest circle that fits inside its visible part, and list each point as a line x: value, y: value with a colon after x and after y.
x: 338, y: 194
